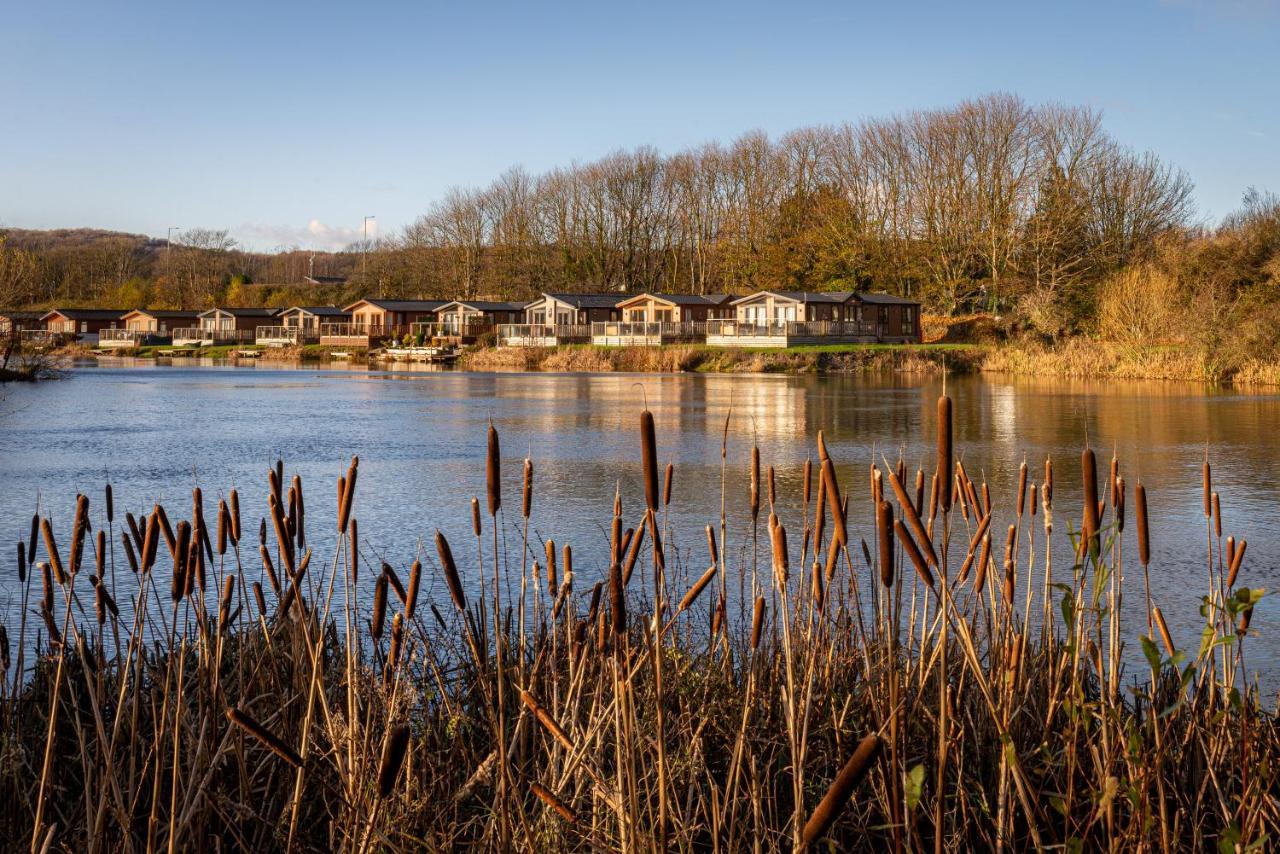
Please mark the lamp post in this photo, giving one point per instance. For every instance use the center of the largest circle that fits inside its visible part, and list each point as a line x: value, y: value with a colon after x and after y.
x: 364, y: 245
x: 168, y: 239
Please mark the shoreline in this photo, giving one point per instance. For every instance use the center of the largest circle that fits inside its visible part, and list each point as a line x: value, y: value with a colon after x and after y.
x: 1075, y: 359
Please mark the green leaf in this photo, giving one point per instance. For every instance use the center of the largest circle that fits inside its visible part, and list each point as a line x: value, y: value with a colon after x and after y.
x: 1151, y: 652
x: 915, y: 786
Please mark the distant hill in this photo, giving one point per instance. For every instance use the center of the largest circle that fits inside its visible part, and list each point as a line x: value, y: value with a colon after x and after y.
x: 74, y: 238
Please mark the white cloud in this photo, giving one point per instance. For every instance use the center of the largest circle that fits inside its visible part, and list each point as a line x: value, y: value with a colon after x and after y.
x: 314, y: 235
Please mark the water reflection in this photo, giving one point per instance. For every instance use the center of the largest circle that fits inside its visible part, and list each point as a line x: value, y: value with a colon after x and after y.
x: 158, y: 430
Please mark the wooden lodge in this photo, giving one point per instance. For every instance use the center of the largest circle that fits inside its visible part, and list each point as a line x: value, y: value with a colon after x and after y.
x: 75, y: 324
x: 652, y: 319
x: 790, y: 318
x: 224, y: 326
x: 463, y: 321
x: 15, y: 322
x: 146, y: 326
x: 299, y: 325
x: 560, y: 318
x: 376, y: 320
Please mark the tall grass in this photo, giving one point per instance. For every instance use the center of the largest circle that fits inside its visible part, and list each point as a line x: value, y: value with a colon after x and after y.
x: 921, y: 680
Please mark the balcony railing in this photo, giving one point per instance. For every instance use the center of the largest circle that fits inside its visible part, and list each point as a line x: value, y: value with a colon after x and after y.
x: 281, y: 336
x: 540, y: 334
x: 42, y: 337
x: 357, y: 334
x: 471, y: 328
x: 200, y: 335
x: 121, y: 337
x: 654, y: 330
x: 791, y: 329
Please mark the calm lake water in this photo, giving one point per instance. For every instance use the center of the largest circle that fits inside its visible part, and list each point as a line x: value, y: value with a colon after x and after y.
x: 155, y: 431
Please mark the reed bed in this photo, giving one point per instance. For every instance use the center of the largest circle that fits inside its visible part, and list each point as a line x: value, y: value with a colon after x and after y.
x: 888, y: 670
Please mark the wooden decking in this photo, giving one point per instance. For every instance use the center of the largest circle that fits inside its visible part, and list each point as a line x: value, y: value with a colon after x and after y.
x: 542, y: 335
x: 734, y: 333
x: 645, y: 334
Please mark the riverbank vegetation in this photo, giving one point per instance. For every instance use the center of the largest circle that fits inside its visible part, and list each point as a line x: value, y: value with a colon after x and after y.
x: 908, y: 663
x: 1032, y: 214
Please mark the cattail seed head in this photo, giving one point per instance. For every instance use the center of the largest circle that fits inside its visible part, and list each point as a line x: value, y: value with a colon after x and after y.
x: 378, y: 620
x: 1217, y: 516
x: 222, y: 527
x: 235, y: 517
x: 264, y: 736
x: 884, y: 534
x: 111, y: 505
x: 553, y: 579
x: 667, y: 478
x: 1233, y: 571
x: 348, y: 494
x: 781, y: 561
x: 393, y: 579
x: 393, y: 753
x: 912, y: 551
x: 51, y: 548
x: 411, y: 597
x: 945, y: 449
x: 757, y: 622
x: 1022, y: 487
x: 547, y: 797
x: 696, y: 590
x: 1089, y: 480
x: 711, y: 546
x: 493, y: 472
x: 450, y: 569
x: 526, y: 493
x: 842, y: 788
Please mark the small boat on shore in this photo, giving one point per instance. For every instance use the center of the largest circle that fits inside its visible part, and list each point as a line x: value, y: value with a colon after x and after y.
x: 438, y: 355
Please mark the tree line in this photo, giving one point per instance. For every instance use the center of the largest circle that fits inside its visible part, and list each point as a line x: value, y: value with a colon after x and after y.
x: 1031, y: 212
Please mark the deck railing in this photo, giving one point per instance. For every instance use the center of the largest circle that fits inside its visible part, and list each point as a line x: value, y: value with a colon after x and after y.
x: 356, y: 333
x: 451, y: 329
x: 792, y: 329
x: 284, y: 335
x: 42, y: 337
x: 540, y: 334
x: 122, y: 337
x: 197, y: 334
x: 648, y: 329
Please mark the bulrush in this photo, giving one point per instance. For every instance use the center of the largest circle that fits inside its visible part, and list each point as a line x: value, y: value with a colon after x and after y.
x: 111, y: 504
x: 235, y: 516
x: 913, y: 552
x: 1233, y: 570
x: 552, y: 801
x: 837, y: 797
x: 183, y: 555
x: 633, y: 554
x: 393, y: 579
x: 260, y: 599
x: 884, y: 535
x: 526, y: 491
x: 348, y: 494
x: 224, y: 603
x: 411, y: 597
x: 913, y: 519
x: 22, y: 559
x: 553, y: 578
x: 379, y: 617
x: 270, y: 569
x: 51, y: 549
x: 944, y: 466
x: 546, y: 719
x: 617, y: 603
x: 667, y: 478
x: 781, y: 561
x: 79, y: 528
x: 757, y: 622
x: 450, y: 570
x: 222, y: 528
x: 475, y: 516
x: 493, y: 472
x: 394, y: 749
x: 393, y: 651
x: 264, y: 736
x: 1089, y: 481
x: 696, y: 590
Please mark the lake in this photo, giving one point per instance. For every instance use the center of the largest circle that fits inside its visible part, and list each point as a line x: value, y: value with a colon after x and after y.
x: 156, y: 431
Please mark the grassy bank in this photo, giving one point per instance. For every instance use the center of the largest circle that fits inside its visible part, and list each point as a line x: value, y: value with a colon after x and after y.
x: 881, y: 671
x: 848, y: 358
x: 1081, y: 357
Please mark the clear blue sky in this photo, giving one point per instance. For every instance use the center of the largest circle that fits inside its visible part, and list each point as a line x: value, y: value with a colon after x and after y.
x: 287, y: 123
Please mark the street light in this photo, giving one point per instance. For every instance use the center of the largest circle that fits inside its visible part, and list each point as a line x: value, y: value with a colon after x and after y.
x: 168, y: 239
x: 364, y: 246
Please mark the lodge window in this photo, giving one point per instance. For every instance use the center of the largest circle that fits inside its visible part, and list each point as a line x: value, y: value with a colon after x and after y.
x: 908, y: 320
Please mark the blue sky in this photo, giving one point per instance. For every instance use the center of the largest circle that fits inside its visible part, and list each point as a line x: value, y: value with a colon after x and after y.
x: 287, y: 123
